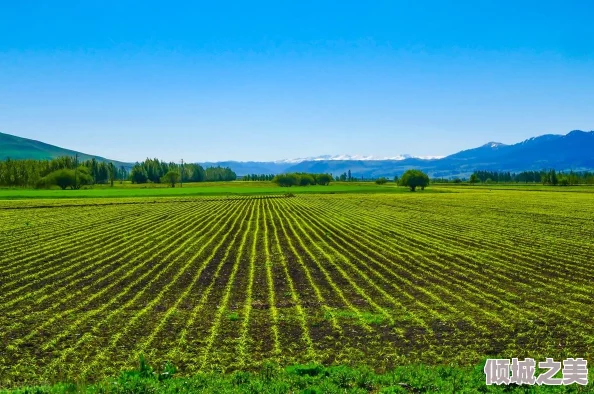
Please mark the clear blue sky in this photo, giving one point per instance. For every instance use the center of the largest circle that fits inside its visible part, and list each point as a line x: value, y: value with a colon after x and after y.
x: 269, y: 80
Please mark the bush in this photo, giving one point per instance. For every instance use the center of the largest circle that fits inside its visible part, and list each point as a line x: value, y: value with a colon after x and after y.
x: 323, y: 179
x: 381, y: 181
x: 306, y: 180
x: 286, y: 180
x: 67, y: 178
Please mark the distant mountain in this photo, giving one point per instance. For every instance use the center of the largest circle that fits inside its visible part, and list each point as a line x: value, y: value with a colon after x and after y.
x: 305, y: 164
x: 251, y: 167
x: 355, y: 157
x: 574, y: 151
x: 19, y: 148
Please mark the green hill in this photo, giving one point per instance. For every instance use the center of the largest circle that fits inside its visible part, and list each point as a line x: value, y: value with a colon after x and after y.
x: 19, y: 148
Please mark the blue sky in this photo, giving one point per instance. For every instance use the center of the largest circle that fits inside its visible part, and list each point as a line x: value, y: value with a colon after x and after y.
x: 221, y: 80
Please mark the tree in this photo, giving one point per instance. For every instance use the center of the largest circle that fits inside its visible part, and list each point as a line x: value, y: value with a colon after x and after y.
x: 474, y: 179
x: 306, y: 180
x: 112, y: 173
x: 84, y: 177
x: 197, y: 173
x: 138, y: 174
x: 414, y: 179
x: 396, y: 179
x: 286, y: 180
x: 66, y: 178
x: 62, y: 178
x: 171, y: 177
x: 554, y: 180
x: 323, y: 179
x: 381, y: 181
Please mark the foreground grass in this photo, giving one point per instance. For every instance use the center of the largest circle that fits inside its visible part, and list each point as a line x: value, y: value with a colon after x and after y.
x: 302, y: 379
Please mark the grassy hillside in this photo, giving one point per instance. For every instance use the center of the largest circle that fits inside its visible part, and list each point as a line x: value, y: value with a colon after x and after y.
x: 19, y: 148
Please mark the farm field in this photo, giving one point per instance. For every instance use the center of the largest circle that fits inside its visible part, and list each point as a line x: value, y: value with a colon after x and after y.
x: 218, y: 284
x: 232, y: 188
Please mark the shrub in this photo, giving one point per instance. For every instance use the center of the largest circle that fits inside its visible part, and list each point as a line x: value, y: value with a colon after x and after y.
x: 67, y: 178
x: 323, y: 179
x: 286, y: 180
x: 306, y: 180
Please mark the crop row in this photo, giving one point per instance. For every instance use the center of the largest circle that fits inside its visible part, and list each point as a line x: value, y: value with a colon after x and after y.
x: 227, y: 284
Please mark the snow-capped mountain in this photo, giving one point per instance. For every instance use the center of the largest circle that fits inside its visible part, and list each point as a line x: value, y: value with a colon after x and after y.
x: 355, y: 157
x: 493, y: 144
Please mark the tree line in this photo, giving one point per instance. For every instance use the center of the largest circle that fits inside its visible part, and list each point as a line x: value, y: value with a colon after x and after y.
x: 156, y: 171
x: 412, y: 179
x: 345, y: 177
x: 68, y: 172
x: 550, y: 177
x: 256, y: 177
x: 36, y: 173
x: 302, y: 179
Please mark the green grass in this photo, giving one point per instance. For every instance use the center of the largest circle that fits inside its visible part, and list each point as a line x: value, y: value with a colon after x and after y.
x: 200, y: 189
x: 127, y: 189
x: 513, y: 186
x: 310, y: 378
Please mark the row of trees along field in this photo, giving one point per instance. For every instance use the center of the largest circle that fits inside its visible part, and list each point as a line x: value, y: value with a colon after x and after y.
x: 156, y: 171
x: 302, y: 179
x: 345, y: 177
x: 34, y: 173
x: 412, y: 179
x: 68, y: 172
x: 550, y: 177
x: 256, y: 177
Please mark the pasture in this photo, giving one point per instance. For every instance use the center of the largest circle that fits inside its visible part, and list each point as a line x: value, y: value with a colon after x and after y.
x: 232, y: 188
x: 223, y: 283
